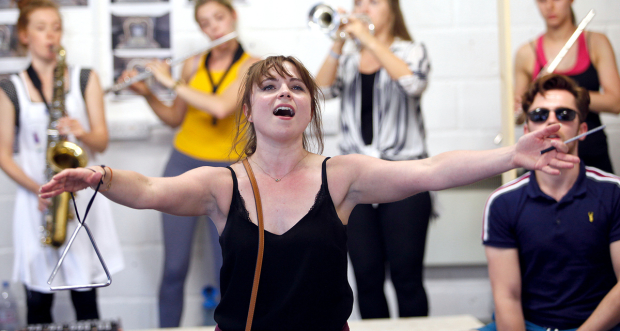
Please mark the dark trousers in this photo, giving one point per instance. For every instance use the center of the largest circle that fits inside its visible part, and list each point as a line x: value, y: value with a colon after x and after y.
x: 390, y: 237
x: 40, y: 306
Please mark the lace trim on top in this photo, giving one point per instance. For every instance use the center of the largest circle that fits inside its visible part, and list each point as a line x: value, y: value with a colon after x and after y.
x: 318, y: 199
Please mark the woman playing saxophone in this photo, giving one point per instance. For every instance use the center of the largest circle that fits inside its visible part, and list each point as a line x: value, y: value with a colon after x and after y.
x: 24, y: 119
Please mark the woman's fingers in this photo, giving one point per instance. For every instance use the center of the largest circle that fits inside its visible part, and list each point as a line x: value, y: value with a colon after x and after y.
x: 70, y: 180
x: 559, y: 146
x: 552, y: 162
x: 567, y: 158
x: 561, y: 164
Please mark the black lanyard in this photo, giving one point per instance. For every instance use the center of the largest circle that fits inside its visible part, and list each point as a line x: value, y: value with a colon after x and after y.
x: 238, y: 54
x: 36, y: 81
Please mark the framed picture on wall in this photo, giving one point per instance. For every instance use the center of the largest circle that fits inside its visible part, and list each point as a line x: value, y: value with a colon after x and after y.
x: 67, y: 3
x: 135, y: 1
x: 5, y: 4
x: 8, y: 41
x: 141, y: 32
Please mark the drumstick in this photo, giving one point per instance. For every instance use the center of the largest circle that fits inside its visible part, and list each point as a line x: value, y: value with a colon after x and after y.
x: 574, y: 138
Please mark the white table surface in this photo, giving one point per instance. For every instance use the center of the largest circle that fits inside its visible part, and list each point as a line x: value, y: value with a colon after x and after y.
x: 435, y: 323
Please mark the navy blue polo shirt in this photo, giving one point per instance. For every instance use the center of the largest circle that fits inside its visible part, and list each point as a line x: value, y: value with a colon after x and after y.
x: 564, y: 256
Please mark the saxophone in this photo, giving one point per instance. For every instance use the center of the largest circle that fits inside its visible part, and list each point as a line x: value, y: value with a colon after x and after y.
x: 61, y: 154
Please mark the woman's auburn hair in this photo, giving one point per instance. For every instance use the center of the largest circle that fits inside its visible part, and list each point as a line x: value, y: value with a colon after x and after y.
x: 27, y: 7
x: 244, y: 144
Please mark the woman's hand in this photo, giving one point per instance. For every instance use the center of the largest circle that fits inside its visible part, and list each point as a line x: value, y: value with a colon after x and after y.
x: 161, y: 72
x: 138, y: 87
x: 70, y: 180
x: 527, y: 152
x: 358, y: 29
x: 68, y: 125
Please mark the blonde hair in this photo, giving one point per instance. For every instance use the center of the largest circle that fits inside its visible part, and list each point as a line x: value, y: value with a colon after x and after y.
x: 245, y: 138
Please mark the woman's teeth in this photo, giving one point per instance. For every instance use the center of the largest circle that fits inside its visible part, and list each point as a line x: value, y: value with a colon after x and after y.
x: 284, y: 111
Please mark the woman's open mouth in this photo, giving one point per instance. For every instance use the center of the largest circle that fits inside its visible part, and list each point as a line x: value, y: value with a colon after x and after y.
x: 284, y: 111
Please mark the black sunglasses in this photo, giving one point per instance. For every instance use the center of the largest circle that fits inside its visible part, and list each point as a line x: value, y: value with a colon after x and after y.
x: 542, y: 114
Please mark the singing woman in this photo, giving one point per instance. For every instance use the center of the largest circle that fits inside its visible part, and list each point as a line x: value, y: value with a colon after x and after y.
x: 307, y: 199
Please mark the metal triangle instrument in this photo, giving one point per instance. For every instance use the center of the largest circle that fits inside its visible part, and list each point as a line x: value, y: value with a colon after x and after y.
x: 81, y: 224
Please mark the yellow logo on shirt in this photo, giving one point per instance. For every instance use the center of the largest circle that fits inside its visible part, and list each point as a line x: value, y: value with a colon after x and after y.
x: 591, y: 216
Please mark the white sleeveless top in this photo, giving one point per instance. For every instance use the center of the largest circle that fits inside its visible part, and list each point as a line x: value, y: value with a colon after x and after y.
x: 34, y: 261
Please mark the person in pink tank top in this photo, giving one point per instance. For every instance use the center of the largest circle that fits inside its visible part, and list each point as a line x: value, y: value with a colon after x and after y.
x: 590, y: 62
x: 592, y: 47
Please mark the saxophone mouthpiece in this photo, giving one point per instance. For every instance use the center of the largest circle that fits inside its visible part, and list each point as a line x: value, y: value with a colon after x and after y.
x: 58, y: 50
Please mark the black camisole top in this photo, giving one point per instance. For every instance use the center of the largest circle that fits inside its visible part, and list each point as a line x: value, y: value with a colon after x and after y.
x: 303, y: 283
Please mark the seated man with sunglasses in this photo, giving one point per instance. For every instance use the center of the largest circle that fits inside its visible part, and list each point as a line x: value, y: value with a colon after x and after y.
x: 553, y: 242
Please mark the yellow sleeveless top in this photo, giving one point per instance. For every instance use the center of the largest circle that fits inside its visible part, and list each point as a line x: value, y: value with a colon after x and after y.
x: 198, y: 137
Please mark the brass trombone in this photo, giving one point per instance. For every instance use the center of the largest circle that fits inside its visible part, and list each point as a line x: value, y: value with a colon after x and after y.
x: 326, y: 19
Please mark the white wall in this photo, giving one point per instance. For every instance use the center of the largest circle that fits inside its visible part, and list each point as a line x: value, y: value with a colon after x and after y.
x: 461, y: 108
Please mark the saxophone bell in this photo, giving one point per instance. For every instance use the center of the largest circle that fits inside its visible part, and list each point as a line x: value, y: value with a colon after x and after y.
x: 65, y: 155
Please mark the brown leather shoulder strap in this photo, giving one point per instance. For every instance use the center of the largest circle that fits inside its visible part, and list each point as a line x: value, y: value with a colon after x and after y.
x: 261, y: 243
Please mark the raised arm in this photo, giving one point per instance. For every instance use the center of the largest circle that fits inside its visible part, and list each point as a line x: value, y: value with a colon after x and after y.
x: 327, y: 74
x: 607, y: 313
x: 369, y: 180
x: 523, y: 73
x: 605, y: 61
x: 192, y: 193
x: 218, y: 106
x: 172, y: 115
x: 505, y: 276
x: 394, y: 66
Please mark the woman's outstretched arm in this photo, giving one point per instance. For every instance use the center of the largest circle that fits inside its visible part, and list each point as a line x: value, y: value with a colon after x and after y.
x: 188, y: 194
x: 370, y: 180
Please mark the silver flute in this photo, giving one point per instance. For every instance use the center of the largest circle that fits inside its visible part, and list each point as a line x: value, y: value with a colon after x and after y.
x: 147, y: 72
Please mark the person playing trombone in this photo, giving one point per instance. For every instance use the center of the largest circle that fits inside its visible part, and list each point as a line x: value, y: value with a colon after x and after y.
x: 381, y: 86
